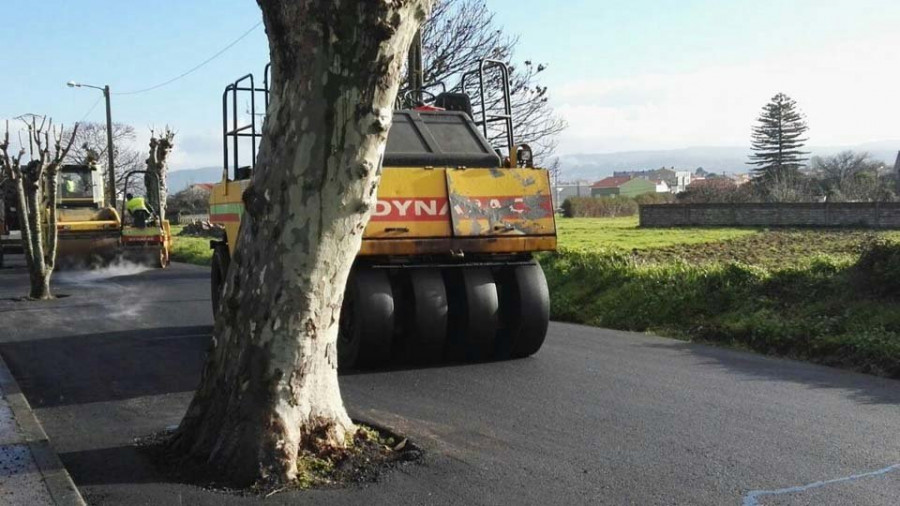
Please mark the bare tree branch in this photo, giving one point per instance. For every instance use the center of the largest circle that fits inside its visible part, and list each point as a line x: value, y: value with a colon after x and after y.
x: 91, y: 146
x: 459, y: 34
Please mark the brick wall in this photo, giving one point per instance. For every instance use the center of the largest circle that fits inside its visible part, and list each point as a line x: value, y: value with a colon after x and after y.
x: 847, y: 214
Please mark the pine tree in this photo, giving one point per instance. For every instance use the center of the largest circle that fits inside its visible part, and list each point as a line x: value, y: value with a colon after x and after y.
x: 778, y: 141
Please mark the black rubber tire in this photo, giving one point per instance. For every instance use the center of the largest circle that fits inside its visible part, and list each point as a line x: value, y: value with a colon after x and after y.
x: 367, y: 320
x: 425, y: 332
x: 525, y: 306
x: 474, y: 313
x: 218, y: 271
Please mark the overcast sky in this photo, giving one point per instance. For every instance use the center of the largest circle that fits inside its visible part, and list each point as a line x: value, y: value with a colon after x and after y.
x: 626, y: 75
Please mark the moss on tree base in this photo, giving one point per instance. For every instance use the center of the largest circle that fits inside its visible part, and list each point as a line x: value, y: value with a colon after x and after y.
x: 373, y: 451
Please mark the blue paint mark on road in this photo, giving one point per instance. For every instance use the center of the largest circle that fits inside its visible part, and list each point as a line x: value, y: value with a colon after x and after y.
x: 752, y: 498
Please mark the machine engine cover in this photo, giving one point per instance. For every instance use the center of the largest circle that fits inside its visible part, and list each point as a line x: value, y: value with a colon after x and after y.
x: 500, y: 202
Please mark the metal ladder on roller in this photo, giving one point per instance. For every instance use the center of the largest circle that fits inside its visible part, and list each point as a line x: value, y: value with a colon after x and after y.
x: 233, y: 131
x: 486, y: 116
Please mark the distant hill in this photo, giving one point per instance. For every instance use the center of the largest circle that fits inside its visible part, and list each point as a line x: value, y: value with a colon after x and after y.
x: 588, y: 166
x: 719, y: 160
x: 181, y: 179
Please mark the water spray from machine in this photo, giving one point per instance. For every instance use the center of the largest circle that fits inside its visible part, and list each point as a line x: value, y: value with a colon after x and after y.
x: 120, y: 304
x: 98, y: 275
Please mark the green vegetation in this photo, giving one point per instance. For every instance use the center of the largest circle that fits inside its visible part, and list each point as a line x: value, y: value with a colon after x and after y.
x: 371, y: 452
x: 191, y: 250
x: 611, y: 207
x: 824, y: 296
x: 623, y: 233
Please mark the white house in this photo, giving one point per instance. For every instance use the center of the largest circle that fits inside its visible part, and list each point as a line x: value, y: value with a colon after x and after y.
x: 562, y: 191
x: 682, y: 180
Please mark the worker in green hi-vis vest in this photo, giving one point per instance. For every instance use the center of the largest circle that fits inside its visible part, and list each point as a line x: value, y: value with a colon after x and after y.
x: 137, y: 208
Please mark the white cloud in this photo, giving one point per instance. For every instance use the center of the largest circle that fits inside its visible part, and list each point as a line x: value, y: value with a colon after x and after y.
x: 193, y: 149
x: 848, y: 93
x: 197, y: 149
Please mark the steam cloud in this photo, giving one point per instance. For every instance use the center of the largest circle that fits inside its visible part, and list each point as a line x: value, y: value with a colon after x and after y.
x: 95, y: 276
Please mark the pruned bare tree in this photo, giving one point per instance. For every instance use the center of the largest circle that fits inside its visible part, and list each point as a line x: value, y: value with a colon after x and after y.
x: 90, y: 145
x: 269, y: 390
x: 459, y: 34
x: 853, y: 176
x: 192, y: 200
x: 158, y: 169
x: 724, y: 192
x: 36, y: 182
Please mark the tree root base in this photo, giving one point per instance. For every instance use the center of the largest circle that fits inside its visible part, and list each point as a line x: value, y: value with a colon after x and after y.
x: 373, y: 452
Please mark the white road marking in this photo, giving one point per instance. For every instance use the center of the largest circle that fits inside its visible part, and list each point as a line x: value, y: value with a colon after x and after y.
x: 751, y: 499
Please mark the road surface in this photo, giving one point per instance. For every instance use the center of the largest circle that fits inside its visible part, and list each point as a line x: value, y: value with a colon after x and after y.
x: 597, y: 417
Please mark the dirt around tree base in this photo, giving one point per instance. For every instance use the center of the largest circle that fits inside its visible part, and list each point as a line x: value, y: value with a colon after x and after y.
x: 199, y: 228
x: 374, y: 451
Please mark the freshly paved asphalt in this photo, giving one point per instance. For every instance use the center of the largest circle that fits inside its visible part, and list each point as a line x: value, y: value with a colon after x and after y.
x: 597, y: 417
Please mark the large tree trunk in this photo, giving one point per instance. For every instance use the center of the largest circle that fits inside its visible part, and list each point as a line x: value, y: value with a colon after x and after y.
x: 24, y: 224
x: 31, y: 220
x: 269, y: 387
x: 52, y: 235
x: 37, y: 192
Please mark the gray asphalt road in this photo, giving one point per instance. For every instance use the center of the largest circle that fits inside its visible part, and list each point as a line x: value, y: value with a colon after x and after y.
x: 597, y: 417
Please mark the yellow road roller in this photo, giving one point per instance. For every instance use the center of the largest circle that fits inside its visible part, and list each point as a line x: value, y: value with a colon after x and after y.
x: 446, y: 268
x: 146, y: 237
x: 87, y: 228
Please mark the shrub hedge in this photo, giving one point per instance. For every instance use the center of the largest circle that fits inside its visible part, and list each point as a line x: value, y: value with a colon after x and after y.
x: 611, y: 207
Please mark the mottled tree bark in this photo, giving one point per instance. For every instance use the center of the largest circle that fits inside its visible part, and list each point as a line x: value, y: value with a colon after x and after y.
x: 158, y: 168
x: 36, y: 184
x: 269, y: 388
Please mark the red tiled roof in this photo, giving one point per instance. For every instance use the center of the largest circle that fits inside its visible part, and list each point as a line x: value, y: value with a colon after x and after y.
x: 611, y: 182
x: 205, y: 186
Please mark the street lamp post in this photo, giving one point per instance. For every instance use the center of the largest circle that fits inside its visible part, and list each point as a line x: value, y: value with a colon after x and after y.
x: 110, y: 167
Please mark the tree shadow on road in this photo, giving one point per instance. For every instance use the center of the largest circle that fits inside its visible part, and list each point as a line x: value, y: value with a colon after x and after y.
x: 124, y: 464
x: 861, y: 387
x: 108, y: 366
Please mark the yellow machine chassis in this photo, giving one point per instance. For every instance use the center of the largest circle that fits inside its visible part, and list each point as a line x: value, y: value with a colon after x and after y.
x: 425, y: 211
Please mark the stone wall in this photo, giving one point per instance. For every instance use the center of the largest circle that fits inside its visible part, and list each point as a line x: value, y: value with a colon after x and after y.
x: 845, y: 214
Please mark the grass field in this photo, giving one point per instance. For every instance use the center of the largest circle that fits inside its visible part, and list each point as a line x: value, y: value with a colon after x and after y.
x: 623, y: 233
x: 191, y: 250
x: 761, y: 247
x: 829, y: 296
